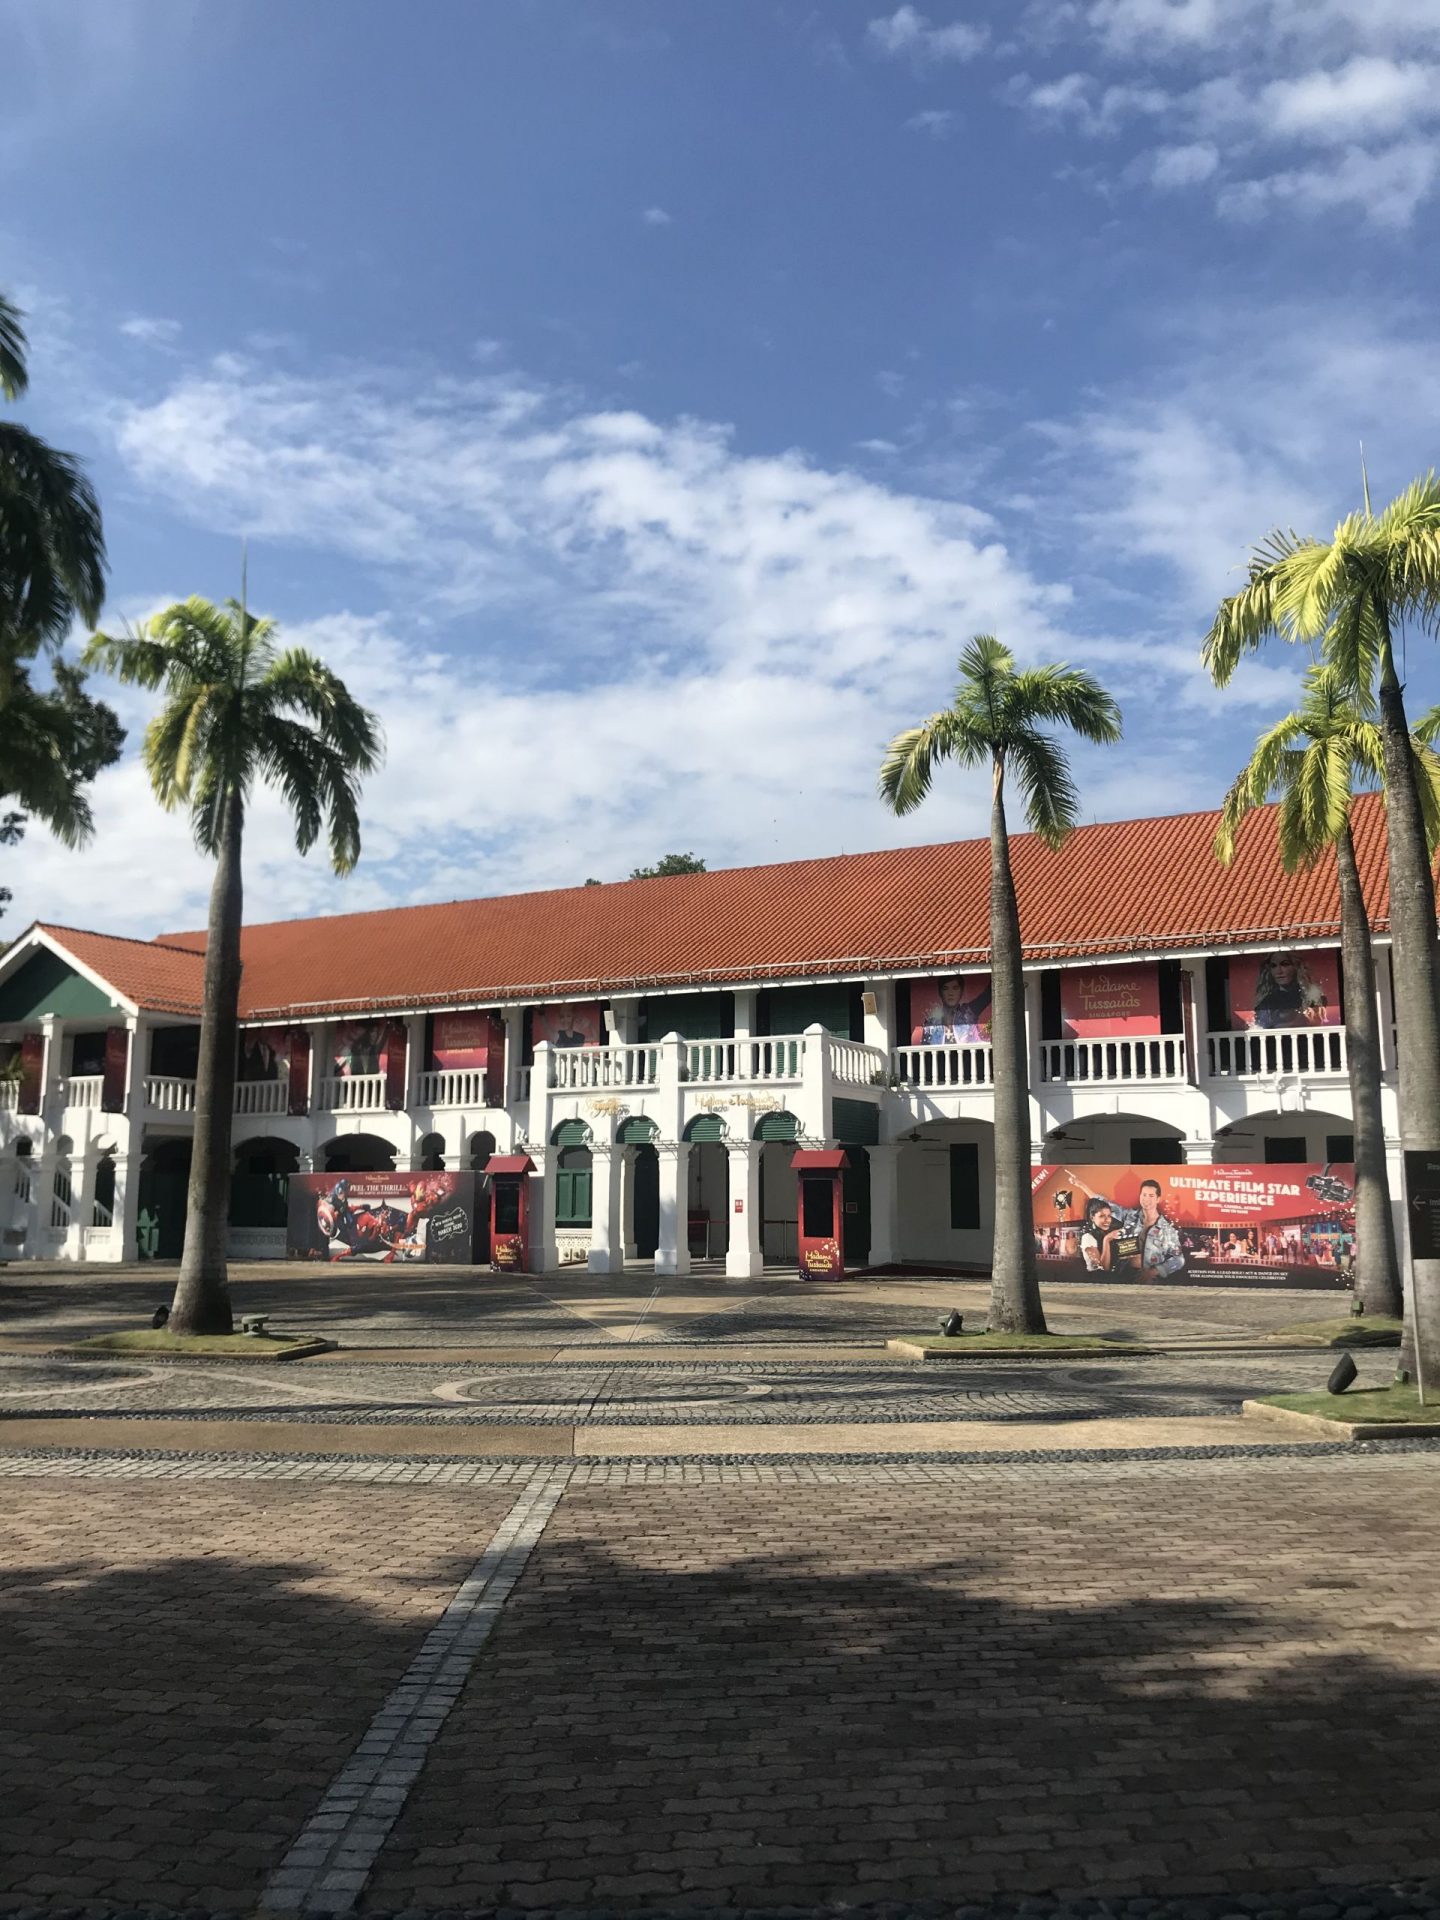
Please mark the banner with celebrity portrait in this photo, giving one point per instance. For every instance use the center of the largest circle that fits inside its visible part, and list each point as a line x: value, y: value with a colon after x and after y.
x: 570, y: 1023
x: 953, y: 1010
x: 1214, y: 1226
x: 1286, y: 989
x: 383, y: 1218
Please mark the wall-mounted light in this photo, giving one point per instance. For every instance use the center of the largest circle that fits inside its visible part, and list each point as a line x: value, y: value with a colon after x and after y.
x: 868, y: 1003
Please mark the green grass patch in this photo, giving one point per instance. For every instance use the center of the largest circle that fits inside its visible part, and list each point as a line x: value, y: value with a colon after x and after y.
x: 1367, y: 1330
x: 1361, y: 1405
x: 997, y: 1342
x: 234, y: 1346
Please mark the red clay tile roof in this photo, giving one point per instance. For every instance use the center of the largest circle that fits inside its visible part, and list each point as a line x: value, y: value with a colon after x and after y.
x: 148, y: 973
x: 1134, y: 886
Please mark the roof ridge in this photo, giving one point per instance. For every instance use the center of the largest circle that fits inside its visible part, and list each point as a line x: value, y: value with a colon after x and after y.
x: 128, y: 939
x: 759, y: 866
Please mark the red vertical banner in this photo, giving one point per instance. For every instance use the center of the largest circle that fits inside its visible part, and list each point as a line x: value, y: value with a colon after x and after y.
x: 299, y: 1100
x: 495, y: 1063
x: 396, y: 1059
x: 117, y: 1060
x: 32, y: 1071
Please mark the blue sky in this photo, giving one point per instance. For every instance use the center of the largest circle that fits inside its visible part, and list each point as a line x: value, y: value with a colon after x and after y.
x: 642, y: 400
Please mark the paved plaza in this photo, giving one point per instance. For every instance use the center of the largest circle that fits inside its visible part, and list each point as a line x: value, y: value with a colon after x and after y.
x: 642, y: 1601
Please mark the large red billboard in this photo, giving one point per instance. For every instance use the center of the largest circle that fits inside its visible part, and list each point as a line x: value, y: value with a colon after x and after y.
x: 382, y: 1217
x: 1285, y: 989
x: 1221, y: 1226
x: 1097, y: 1003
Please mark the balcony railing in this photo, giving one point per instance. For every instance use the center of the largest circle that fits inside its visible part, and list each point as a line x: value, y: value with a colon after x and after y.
x: 351, y: 1093
x: 262, y: 1096
x: 455, y: 1087
x: 1304, y: 1053
x: 747, y: 1062
x: 82, y: 1091
x: 582, y: 1069
x: 951, y: 1068
x: 164, y: 1093
x: 1115, y: 1062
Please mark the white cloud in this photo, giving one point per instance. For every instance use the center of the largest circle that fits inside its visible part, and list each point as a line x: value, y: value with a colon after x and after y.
x: 1175, y: 167
x: 151, y: 332
x: 908, y: 34
x: 656, y: 217
x: 1249, y: 91
x: 938, y: 122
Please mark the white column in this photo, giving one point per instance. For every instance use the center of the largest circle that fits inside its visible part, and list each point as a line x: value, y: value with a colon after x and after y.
x: 50, y: 1067
x: 538, y: 1120
x: 1198, y: 1153
x: 1385, y: 1001
x: 745, y: 998
x: 127, y: 1200
x: 884, y: 1204
x: 672, y: 1251
x: 880, y: 1025
x: 625, y: 1181
x: 744, y: 1257
x: 321, y: 1066
x: 544, y: 1246
x: 606, y: 1229
x: 816, y: 1085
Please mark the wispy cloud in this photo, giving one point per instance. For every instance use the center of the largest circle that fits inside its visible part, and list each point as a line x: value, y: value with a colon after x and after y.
x: 657, y: 217
x: 938, y: 122
x: 908, y: 34
x: 151, y: 332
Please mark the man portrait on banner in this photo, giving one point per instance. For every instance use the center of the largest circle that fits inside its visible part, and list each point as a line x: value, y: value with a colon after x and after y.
x: 953, y: 1017
x: 1161, y: 1253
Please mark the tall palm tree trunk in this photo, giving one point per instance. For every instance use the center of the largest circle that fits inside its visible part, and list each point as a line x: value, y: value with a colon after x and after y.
x: 1377, y: 1279
x: 1014, y: 1284
x: 1416, y: 959
x: 202, y: 1294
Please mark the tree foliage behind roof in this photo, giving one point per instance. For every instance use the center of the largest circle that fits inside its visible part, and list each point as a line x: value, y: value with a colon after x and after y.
x: 668, y: 864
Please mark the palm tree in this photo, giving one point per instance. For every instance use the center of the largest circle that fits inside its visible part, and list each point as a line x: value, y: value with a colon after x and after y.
x: 1355, y: 594
x: 996, y: 719
x: 52, y: 571
x: 236, y: 710
x: 1311, y: 760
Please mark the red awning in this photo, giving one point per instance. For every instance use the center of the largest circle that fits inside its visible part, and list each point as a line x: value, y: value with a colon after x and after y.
x: 510, y: 1163
x: 815, y: 1160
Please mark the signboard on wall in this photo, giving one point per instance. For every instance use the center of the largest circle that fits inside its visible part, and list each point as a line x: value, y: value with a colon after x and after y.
x: 1285, y: 989
x: 382, y: 1217
x: 461, y: 1042
x: 1217, y: 1226
x: 571, y: 1023
x: 1099, y: 1002
x: 951, y: 1010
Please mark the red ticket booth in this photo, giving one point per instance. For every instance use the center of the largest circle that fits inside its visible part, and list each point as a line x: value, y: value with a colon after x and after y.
x: 509, y: 1177
x: 820, y: 1234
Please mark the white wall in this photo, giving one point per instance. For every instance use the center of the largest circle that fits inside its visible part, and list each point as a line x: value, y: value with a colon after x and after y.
x: 922, y: 1174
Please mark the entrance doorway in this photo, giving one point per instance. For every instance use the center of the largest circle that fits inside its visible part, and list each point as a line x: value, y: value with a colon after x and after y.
x: 163, y: 1197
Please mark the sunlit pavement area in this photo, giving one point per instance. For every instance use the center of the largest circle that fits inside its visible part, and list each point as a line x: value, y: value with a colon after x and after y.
x: 584, y: 1596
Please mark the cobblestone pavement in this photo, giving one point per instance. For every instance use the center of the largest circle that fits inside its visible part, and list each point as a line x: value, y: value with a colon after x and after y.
x: 681, y: 1393
x: 744, y: 1687
x: 391, y: 1306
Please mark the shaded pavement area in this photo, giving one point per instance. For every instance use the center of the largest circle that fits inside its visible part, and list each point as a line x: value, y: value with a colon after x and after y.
x: 858, y: 1685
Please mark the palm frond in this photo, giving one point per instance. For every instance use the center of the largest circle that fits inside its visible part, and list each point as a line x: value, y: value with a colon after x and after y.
x: 13, y: 346
x: 912, y: 756
x: 1047, y: 787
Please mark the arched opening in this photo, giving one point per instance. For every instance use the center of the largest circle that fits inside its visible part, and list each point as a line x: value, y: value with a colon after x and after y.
x: 260, y: 1183
x: 102, y: 1209
x: 162, y: 1198
x: 779, y: 1192
x: 432, y: 1153
x: 482, y: 1148
x: 358, y: 1153
x: 1115, y: 1140
x: 708, y: 1195
x: 1279, y: 1139
x: 640, y: 1171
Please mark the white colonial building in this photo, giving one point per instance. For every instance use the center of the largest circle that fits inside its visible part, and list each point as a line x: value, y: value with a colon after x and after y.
x: 659, y: 1048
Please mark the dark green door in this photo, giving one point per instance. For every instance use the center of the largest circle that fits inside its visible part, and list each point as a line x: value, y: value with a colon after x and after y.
x: 164, y: 1191
x: 855, y: 1203
x: 647, y: 1202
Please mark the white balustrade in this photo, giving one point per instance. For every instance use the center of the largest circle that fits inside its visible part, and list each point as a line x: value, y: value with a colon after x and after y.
x: 164, y: 1093
x: 62, y: 1196
x: 1304, y: 1053
x: 952, y: 1067
x: 1113, y: 1062
x: 82, y: 1091
x: 99, y: 1243
x: 352, y: 1093
x: 9, y: 1096
x: 522, y: 1084
x: 856, y: 1065
x: 262, y: 1096
x: 580, y: 1069
x: 455, y: 1087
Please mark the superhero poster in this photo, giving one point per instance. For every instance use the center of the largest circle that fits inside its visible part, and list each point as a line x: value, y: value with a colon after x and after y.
x: 1202, y: 1226
x: 384, y: 1218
